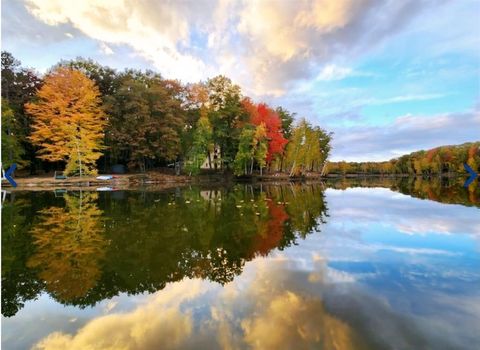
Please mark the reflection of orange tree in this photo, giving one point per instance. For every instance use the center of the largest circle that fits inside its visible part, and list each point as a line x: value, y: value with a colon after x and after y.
x: 69, y: 245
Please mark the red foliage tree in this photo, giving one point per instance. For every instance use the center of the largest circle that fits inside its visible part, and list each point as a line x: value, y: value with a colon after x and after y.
x: 273, y: 123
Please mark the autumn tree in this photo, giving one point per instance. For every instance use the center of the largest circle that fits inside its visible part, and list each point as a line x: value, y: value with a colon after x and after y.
x: 295, y: 153
x: 68, y: 121
x: 273, y: 125
x: 146, y: 121
x: 436, y: 161
x: 308, y: 149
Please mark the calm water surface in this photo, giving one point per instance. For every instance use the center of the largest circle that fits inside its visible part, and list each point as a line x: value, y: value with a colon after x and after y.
x: 371, y: 265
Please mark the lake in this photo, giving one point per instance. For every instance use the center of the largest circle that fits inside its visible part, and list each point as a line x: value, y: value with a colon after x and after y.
x: 371, y: 264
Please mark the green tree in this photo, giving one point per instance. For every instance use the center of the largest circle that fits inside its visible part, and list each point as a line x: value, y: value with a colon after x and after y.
x: 202, y: 144
x: 252, y: 147
x: 12, y: 150
x: 287, y: 121
x: 19, y: 86
x: 226, y: 116
x: 261, y: 146
x: 243, y: 163
x: 106, y: 78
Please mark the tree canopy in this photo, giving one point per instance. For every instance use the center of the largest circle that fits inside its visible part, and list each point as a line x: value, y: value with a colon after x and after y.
x: 68, y: 121
x: 84, y: 116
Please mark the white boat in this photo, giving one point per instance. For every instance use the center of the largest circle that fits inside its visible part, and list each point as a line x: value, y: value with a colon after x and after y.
x: 105, y: 177
x: 104, y: 189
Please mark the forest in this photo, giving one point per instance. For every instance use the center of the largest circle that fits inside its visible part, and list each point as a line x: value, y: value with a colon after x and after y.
x: 85, y: 118
x: 437, y: 161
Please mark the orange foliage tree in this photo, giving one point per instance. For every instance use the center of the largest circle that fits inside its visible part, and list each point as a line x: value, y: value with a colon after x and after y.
x: 68, y: 121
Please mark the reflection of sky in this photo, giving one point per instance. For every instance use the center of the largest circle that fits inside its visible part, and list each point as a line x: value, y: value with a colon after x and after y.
x: 376, y: 275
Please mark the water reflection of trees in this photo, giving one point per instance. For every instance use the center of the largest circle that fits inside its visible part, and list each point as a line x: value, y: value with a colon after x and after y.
x: 19, y: 283
x: 439, y: 189
x: 86, y: 248
x: 69, y: 246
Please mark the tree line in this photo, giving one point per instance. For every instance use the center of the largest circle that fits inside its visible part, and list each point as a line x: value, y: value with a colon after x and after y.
x: 437, y: 161
x: 83, y: 117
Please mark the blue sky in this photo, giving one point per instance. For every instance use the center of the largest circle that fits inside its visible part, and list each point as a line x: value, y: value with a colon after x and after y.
x: 387, y: 77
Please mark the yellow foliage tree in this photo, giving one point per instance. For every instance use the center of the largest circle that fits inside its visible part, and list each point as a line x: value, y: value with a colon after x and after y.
x: 68, y: 121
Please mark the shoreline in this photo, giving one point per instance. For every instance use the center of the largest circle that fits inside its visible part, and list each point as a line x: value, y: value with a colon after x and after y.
x: 162, y: 180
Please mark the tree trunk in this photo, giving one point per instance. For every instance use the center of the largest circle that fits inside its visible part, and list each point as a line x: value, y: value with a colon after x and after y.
x: 293, y: 167
x: 79, y: 157
x: 323, y: 168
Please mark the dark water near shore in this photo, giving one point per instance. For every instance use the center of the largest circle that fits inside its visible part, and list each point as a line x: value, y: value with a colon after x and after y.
x: 372, y: 264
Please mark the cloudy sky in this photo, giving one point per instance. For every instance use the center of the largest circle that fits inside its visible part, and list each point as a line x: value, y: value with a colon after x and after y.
x: 388, y: 77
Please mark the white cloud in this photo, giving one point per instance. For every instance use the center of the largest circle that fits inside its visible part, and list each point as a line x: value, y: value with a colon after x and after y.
x: 404, y: 135
x: 105, y: 49
x: 334, y: 72
x: 400, y: 99
x: 263, y: 46
x: 154, y: 29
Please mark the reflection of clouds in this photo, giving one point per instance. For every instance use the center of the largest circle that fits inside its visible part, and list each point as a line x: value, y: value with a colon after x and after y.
x: 146, y: 328
x: 404, y: 213
x: 290, y: 320
x: 411, y: 251
x: 154, y: 324
x: 109, y: 306
x: 270, y: 314
x: 256, y: 313
x: 274, y: 306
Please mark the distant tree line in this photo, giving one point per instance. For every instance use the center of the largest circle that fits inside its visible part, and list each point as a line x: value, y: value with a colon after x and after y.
x: 437, y: 161
x: 84, y: 117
